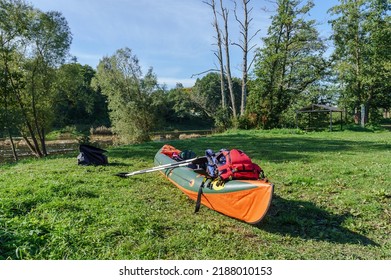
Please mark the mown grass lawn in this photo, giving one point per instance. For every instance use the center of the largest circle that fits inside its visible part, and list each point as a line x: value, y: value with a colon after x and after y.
x: 332, y: 200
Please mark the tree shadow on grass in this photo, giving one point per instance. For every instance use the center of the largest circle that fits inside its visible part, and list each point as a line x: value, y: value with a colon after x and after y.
x: 286, y: 148
x: 305, y: 220
x: 258, y: 147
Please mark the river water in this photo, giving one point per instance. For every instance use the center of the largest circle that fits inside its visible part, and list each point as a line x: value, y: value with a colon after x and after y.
x: 53, y: 147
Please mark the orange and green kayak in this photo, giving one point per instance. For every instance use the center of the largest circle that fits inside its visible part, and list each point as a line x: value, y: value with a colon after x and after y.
x: 245, y: 200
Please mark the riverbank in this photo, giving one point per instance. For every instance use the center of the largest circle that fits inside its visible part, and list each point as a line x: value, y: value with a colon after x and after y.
x: 59, y: 146
x: 68, y: 143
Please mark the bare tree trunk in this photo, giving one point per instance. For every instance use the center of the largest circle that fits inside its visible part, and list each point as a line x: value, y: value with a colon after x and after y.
x: 245, y: 53
x: 43, y: 142
x: 221, y: 62
x: 224, y: 14
x: 32, y: 147
x: 14, y: 153
x: 8, y: 128
x: 7, y: 113
x: 39, y: 130
x: 219, y: 53
x: 244, y: 45
x: 244, y: 88
x: 35, y: 149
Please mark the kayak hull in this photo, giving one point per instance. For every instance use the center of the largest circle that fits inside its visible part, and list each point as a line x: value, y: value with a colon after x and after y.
x: 245, y: 200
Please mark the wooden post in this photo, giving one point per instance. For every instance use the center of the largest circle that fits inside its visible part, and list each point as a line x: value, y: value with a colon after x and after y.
x: 331, y: 120
x: 341, y: 120
x: 362, y: 115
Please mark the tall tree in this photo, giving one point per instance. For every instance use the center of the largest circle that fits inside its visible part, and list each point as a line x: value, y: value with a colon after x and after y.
x: 362, y: 36
x: 49, y: 39
x: 380, y: 36
x: 129, y: 93
x: 290, y: 61
x: 33, y: 44
x: 13, y: 23
x: 226, y: 43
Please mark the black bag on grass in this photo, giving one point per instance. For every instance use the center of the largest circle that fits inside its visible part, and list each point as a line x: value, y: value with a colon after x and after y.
x: 90, y: 155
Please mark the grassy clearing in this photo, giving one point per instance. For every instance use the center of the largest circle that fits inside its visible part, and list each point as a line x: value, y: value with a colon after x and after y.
x: 332, y: 201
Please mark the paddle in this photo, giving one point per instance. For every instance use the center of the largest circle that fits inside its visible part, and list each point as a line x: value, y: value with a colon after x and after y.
x: 198, y: 160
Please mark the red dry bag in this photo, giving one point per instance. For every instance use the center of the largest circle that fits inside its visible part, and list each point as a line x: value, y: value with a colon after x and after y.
x: 238, y: 165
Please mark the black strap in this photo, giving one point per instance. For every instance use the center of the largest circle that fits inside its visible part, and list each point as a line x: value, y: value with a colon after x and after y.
x: 198, y: 203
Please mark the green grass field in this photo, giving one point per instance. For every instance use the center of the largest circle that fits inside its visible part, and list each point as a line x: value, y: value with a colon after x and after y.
x: 332, y: 200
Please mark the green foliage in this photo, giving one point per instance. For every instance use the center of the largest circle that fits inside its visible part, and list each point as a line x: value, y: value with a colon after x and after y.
x: 206, y: 94
x: 331, y: 201
x: 245, y: 122
x: 200, y: 104
x: 183, y: 108
x: 362, y: 33
x: 50, y: 40
x: 290, y: 62
x: 76, y: 102
x: 222, y: 119
x: 69, y: 131
x: 32, y: 43
x: 129, y: 95
x: 13, y: 24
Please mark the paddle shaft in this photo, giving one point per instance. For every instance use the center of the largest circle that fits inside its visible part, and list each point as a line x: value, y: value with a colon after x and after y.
x: 162, y: 167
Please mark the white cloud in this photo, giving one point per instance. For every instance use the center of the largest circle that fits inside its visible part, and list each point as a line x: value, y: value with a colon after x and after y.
x: 171, y: 82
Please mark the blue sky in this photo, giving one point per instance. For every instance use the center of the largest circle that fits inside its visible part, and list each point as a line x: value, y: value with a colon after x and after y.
x: 174, y: 37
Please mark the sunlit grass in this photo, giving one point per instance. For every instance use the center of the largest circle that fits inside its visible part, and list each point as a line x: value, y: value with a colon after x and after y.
x: 332, y: 201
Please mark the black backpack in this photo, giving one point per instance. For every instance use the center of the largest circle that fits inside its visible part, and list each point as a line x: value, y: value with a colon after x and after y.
x: 90, y: 155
